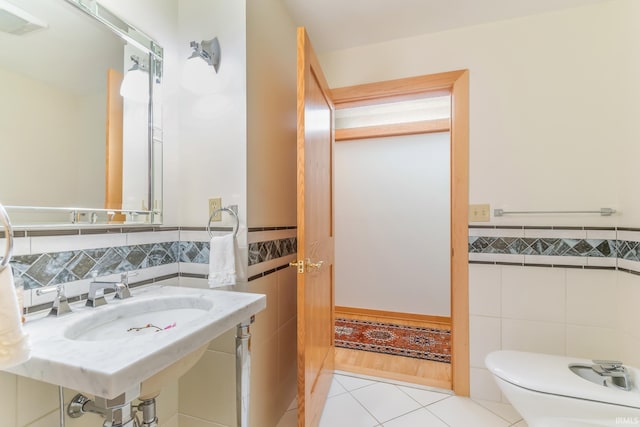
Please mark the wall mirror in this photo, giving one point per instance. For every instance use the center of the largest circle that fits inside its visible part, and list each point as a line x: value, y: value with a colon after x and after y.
x: 80, y: 118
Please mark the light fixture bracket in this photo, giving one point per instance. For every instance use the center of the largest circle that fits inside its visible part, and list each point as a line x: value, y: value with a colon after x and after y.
x: 209, y: 51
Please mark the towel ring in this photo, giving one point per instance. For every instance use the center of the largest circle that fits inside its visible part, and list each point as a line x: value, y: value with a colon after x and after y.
x: 8, y: 231
x: 233, y: 214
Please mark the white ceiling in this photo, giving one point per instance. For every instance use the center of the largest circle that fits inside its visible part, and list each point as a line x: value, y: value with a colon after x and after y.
x: 339, y: 24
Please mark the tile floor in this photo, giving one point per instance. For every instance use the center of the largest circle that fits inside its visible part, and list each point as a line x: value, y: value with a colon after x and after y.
x: 360, y: 401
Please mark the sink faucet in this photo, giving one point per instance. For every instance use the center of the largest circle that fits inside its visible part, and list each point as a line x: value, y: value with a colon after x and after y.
x: 613, y: 369
x: 97, y: 288
x: 60, y: 303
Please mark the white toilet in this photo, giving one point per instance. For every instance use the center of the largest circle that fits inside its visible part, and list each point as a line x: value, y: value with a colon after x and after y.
x: 548, y: 393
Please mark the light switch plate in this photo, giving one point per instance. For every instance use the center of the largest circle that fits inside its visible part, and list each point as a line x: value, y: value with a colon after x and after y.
x: 215, y: 203
x: 479, y: 213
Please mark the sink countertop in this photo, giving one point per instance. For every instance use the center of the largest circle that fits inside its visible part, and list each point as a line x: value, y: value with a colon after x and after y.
x: 108, y: 368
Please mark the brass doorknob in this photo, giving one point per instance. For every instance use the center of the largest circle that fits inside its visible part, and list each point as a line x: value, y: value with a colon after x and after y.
x: 314, y: 266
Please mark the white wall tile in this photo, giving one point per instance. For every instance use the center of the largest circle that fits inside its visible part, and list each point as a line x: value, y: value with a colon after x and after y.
x: 537, y: 337
x: 262, y: 236
x: 629, y: 264
x: 587, y: 294
x: 193, y: 268
x: 592, y: 343
x: 193, y: 282
x: 626, y: 303
x: 601, y: 234
x: 484, y: 337
x: 629, y: 349
x: 632, y: 236
x: 555, y: 260
x: 8, y: 402
x: 30, y: 391
x: 44, y: 244
x: 21, y: 246
x: 484, y: 289
x: 554, y: 234
x: 510, y: 258
x: 152, y: 237
x: 533, y: 293
x: 593, y: 261
x: 496, y: 232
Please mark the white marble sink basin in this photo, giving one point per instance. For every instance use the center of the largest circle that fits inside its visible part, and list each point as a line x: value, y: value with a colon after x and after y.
x: 138, y: 318
x: 91, y: 351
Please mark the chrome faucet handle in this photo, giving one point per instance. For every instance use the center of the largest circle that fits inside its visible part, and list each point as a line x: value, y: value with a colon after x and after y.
x: 60, y: 303
x: 609, y: 365
x: 122, y: 288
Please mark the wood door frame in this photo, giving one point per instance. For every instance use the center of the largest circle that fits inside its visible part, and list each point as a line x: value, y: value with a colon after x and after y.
x: 456, y: 84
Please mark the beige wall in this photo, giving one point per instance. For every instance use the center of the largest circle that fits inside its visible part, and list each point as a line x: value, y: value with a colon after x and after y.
x: 271, y: 115
x: 552, y: 104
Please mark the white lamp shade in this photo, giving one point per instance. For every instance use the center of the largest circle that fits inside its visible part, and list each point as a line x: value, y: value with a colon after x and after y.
x: 135, y: 86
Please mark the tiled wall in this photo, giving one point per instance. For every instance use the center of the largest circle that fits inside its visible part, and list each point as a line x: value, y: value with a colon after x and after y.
x: 566, y: 291
x: 47, y: 258
x: 166, y: 254
x: 206, y: 397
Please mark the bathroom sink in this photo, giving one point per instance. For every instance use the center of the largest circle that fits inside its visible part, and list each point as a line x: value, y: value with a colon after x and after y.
x: 138, y: 318
x: 134, y: 344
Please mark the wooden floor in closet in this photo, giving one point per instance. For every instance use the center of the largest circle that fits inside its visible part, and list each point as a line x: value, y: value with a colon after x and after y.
x: 399, y: 368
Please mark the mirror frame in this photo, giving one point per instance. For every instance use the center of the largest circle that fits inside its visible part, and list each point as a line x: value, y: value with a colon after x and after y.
x: 152, y: 212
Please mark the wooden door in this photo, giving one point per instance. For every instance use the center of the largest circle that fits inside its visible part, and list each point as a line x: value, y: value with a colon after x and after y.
x: 315, y: 236
x: 115, y: 108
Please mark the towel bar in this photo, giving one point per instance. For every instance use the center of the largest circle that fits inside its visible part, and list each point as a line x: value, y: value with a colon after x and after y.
x: 229, y: 210
x: 8, y: 232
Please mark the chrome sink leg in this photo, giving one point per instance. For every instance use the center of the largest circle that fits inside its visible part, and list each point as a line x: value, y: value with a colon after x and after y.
x: 148, y: 409
x: 243, y: 371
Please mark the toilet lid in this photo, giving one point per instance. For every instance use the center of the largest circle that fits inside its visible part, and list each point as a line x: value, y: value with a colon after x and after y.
x: 551, y: 374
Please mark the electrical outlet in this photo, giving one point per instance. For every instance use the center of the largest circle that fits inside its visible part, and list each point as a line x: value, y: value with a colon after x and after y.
x: 479, y: 213
x: 215, y: 203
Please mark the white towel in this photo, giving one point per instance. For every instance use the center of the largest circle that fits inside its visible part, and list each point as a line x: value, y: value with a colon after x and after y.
x: 222, y: 261
x: 15, y: 347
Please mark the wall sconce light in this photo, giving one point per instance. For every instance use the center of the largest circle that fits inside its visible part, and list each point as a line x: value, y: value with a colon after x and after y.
x: 208, y: 51
x: 135, y: 85
x: 197, y: 75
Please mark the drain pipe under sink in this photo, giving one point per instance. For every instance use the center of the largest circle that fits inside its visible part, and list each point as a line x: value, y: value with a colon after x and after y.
x: 61, y: 409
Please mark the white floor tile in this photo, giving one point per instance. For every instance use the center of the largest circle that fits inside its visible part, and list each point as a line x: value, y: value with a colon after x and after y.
x: 424, y: 397
x: 421, y: 417
x: 289, y: 419
x: 385, y: 401
x: 463, y: 412
x: 336, y: 388
x: 503, y: 410
x: 345, y: 411
x: 352, y: 383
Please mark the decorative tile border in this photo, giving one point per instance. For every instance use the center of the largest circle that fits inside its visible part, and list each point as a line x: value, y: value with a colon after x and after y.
x: 272, y: 249
x: 581, y: 247
x: 53, y: 268
x: 544, y: 246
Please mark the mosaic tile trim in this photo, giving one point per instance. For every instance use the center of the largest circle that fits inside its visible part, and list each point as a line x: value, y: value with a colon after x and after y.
x: 551, y: 247
x: 49, y: 269
x: 272, y: 249
x: 53, y: 268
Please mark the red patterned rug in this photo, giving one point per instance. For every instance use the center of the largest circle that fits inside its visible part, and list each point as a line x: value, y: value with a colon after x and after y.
x: 410, y: 341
